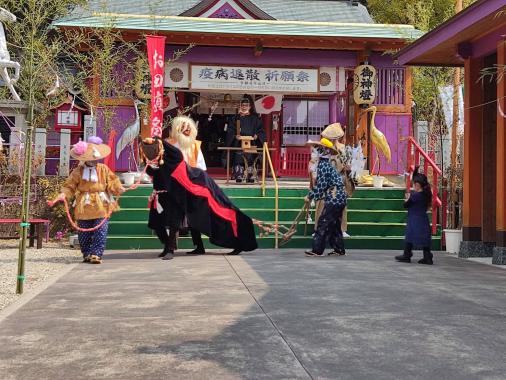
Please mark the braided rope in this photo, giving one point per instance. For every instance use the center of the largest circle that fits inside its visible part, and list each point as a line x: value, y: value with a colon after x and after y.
x: 109, y: 213
x: 286, y: 232
x: 266, y: 228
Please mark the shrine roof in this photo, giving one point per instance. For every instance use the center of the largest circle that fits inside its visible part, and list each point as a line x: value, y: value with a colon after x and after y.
x: 178, y: 24
x: 473, y: 32
x: 288, y: 10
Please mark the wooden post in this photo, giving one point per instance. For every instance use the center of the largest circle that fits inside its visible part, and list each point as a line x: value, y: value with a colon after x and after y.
x: 341, y: 79
x: 90, y: 126
x: 473, y: 125
x: 501, y: 150
x: 14, y: 147
x: 40, y: 149
x: 64, y: 168
x: 333, y: 108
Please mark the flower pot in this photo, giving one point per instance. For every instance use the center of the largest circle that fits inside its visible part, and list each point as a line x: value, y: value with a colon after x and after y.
x: 377, y: 181
x: 128, y: 179
x: 453, y: 239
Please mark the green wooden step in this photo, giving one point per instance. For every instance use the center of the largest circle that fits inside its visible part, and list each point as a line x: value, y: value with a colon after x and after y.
x: 376, y: 218
x: 127, y: 202
x: 241, y: 191
x: 362, y: 242
x: 234, y: 191
x: 139, y: 228
x: 354, y: 215
x: 241, y: 202
x: 141, y: 214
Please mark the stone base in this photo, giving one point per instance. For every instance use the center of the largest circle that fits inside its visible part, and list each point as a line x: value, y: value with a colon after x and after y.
x: 499, y: 257
x: 476, y: 249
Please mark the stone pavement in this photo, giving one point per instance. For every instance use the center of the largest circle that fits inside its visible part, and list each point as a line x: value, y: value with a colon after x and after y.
x: 263, y: 315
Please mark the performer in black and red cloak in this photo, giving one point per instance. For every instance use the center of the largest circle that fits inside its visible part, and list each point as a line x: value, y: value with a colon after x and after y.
x: 165, y: 214
x: 181, y: 189
x: 183, y: 135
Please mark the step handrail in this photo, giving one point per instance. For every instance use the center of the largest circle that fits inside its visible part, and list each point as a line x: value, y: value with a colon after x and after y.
x: 414, y: 161
x: 266, y: 154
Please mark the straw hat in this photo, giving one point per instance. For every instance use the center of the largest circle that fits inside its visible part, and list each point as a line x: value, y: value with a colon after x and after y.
x: 325, y: 143
x: 92, y: 150
x: 333, y: 132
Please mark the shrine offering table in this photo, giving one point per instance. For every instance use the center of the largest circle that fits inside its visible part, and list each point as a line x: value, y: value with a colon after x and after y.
x: 228, y: 149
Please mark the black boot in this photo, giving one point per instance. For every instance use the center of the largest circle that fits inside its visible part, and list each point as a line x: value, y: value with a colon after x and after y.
x: 249, y: 177
x: 427, y: 257
x: 197, y: 241
x: 238, y: 173
x: 166, y: 250
x: 235, y: 252
x: 197, y: 251
x: 169, y: 255
x: 406, y: 256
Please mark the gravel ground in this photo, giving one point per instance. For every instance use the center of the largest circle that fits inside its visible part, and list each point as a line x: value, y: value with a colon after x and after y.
x: 40, y: 265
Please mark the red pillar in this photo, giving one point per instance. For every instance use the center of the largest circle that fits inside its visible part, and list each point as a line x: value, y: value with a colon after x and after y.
x: 501, y: 150
x: 473, y: 125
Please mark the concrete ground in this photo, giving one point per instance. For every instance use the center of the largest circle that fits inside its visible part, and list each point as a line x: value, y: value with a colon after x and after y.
x: 263, y: 315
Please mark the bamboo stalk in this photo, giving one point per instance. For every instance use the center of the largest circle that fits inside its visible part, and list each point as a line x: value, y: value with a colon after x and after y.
x: 27, y: 174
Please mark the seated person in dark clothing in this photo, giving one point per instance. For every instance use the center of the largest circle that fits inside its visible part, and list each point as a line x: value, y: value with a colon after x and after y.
x: 247, y: 123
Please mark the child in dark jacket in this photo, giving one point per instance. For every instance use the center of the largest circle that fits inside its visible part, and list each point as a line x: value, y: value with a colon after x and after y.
x: 418, y: 232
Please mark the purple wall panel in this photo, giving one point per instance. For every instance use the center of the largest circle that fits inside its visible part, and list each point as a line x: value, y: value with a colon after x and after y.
x: 396, y: 129
x: 123, y: 116
x: 284, y: 57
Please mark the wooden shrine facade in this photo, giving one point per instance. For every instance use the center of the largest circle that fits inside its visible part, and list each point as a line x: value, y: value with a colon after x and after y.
x: 258, y: 35
x: 475, y: 39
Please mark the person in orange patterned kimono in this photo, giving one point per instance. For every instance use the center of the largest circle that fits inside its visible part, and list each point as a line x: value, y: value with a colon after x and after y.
x: 92, y: 186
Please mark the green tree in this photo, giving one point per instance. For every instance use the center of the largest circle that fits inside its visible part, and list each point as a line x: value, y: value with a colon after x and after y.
x: 424, y: 15
x: 35, y: 45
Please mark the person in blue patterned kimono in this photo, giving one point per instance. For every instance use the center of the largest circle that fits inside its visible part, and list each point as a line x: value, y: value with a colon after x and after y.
x: 329, y: 187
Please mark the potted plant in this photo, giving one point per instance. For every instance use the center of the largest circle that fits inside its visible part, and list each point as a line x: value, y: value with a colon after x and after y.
x: 453, y: 232
x: 60, y: 237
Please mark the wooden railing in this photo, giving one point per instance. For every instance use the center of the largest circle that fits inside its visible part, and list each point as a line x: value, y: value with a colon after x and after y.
x: 294, y: 161
x: 267, y: 157
x: 415, y: 152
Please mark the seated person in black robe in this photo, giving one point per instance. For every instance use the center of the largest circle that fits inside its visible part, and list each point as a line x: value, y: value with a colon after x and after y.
x: 250, y: 124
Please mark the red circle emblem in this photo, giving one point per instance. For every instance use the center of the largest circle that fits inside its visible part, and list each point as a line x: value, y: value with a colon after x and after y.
x: 268, y: 102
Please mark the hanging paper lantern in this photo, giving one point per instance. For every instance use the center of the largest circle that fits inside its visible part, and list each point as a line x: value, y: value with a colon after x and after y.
x: 364, y: 84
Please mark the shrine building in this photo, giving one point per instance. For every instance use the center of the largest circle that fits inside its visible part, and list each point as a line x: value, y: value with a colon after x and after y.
x: 475, y: 39
x: 304, y: 50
